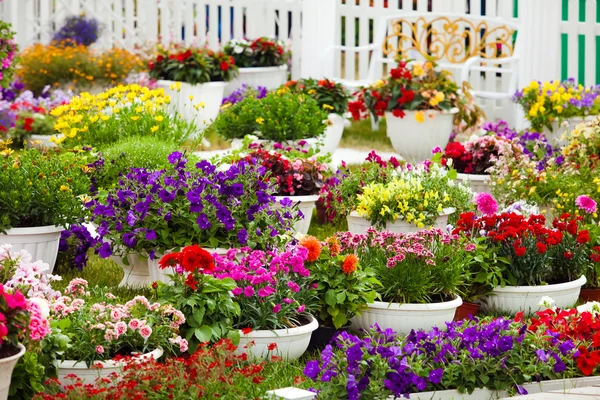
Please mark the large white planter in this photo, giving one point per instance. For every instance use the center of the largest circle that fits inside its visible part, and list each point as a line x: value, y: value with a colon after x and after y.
x: 403, y: 318
x: 268, y: 77
x: 40, y: 241
x: 527, y: 298
x: 136, y: 273
x: 554, y: 136
x: 478, y: 183
x: 359, y: 225
x: 414, y: 140
x: 7, y: 365
x: 89, y: 375
x: 306, y: 205
x: 291, y: 343
x: 162, y: 275
x: 333, y: 133
x: 209, y: 94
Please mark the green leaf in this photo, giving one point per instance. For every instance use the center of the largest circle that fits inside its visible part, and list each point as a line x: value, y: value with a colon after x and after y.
x: 330, y: 298
x: 198, y: 315
x: 484, y: 378
x: 340, y: 320
x: 340, y: 297
x: 203, y: 334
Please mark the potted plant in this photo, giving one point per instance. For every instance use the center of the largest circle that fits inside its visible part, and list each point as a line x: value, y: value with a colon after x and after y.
x: 152, y: 212
x: 42, y: 192
x: 103, y: 333
x: 420, y: 104
x: 261, y: 62
x: 204, y: 300
x: 194, y: 78
x: 296, y: 182
x: 343, y: 286
x: 281, y: 116
x: 13, y: 308
x: 418, y: 197
x: 9, y: 51
x: 554, y: 107
x: 420, y: 274
x: 274, y: 297
x: 544, y: 261
x: 333, y: 98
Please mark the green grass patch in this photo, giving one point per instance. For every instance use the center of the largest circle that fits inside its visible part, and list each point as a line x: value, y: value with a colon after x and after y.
x: 360, y: 136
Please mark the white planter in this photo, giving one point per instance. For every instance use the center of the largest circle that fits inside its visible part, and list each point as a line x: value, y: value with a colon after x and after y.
x: 268, y: 77
x: 210, y: 94
x: 40, y: 141
x: 162, y: 275
x: 403, y: 318
x: 527, y: 298
x: 136, y: 273
x: 414, y: 140
x: 7, y: 365
x: 478, y: 183
x: 554, y: 136
x: 291, y: 343
x: 306, y: 205
x: 89, y: 375
x: 359, y: 225
x: 333, y: 133
x: 40, y: 241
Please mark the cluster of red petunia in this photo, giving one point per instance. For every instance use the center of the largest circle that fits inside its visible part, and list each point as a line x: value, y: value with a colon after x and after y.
x: 192, y: 259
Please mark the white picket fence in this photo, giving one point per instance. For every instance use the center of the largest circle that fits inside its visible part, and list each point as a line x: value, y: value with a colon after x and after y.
x: 550, y: 47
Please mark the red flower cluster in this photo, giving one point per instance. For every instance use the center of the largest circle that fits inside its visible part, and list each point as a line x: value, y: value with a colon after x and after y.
x: 192, y: 259
x: 264, y: 45
x: 462, y: 160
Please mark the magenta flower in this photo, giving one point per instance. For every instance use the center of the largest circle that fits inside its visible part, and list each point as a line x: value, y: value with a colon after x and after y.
x: 486, y: 204
x: 277, y: 308
x: 237, y: 291
x: 266, y: 291
x: 248, y: 291
x: 586, y: 204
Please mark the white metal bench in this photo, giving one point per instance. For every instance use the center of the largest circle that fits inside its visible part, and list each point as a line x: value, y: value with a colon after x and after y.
x: 459, y: 43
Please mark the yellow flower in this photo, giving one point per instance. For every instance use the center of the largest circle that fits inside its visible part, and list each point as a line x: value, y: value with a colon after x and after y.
x: 154, y: 128
x: 135, y: 118
x: 158, y: 118
x: 420, y: 116
x: 64, y: 188
x: 260, y: 120
x: 418, y: 70
x: 327, y: 107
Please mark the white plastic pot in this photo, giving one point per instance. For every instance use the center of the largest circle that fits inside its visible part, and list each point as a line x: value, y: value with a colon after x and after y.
x: 162, y: 275
x: 7, y: 365
x: 403, y: 318
x: 136, y: 273
x: 210, y: 95
x: 554, y: 136
x: 333, y: 133
x: 170, y: 90
x: 527, y: 298
x: 359, y: 225
x: 478, y: 183
x: 306, y: 205
x: 291, y: 343
x: 268, y: 77
x: 414, y: 140
x: 39, y: 241
x: 40, y: 141
x: 89, y: 375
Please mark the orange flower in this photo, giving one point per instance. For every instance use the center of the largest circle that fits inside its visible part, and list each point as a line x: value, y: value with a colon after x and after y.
x: 334, y: 246
x: 350, y: 263
x: 313, y: 246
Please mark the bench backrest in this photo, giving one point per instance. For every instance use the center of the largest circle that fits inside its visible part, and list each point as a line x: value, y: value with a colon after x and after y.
x: 449, y: 39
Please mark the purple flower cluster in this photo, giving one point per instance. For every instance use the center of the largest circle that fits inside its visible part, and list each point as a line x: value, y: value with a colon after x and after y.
x: 161, y: 210
x: 12, y: 91
x: 78, y: 30
x: 75, y: 243
x: 439, y: 360
x: 240, y: 94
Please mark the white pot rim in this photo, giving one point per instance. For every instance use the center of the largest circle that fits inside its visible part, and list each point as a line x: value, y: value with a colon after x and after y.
x: 336, y: 117
x: 541, y: 288
x: 206, y: 84
x: 22, y: 350
x: 264, y: 69
x: 74, y: 364
x: 301, y: 330
x: 35, y: 229
x: 474, y: 177
x: 411, y: 112
x: 445, y: 305
x: 295, y: 199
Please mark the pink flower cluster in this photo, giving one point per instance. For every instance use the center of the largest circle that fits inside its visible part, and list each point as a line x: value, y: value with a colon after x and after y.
x: 586, y: 204
x: 11, y: 304
x: 39, y: 327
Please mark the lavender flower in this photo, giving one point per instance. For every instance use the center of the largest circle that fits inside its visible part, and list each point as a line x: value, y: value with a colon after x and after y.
x: 240, y: 94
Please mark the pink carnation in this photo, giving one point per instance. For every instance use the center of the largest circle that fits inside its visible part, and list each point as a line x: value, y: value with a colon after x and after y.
x: 486, y: 204
x: 277, y: 308
x: 145, y: 332
x: 99, y: 349
x: 586, y: 204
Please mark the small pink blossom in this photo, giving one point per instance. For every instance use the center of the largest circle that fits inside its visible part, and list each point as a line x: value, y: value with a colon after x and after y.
x: 277, y: 308
x: 134, y: 324
x: 486, y: 204
x: 145, y: 332
x: 470, y: 247
x: 248, y: 291
x: 120, y: 328
x: 237, y: 291
x: 288, y: 300
x: 301, y: 309
x: 586, y: 204
x: 99, y: 349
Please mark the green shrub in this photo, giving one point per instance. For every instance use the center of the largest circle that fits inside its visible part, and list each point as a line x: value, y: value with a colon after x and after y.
x: 279, y: 116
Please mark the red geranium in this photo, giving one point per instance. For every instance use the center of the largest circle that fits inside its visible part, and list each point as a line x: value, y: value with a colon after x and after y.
x: 195, y: 258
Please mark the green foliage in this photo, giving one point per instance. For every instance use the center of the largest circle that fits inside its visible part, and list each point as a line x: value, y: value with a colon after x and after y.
x: 42, y: 187
x: 261, y: 52
x: 39, y: 124
x: 331, y: 96
x: 209, y: 310
x: 280, y: 116
x: 27, y: 377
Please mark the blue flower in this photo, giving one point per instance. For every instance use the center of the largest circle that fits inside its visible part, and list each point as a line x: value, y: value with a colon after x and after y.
x: 435, y: 376
x: 174, y: 157
x: 312, y: 369
x: 105, y: 250
x: 203, y: 221
x: 150, y: 234
x: 243, y: 236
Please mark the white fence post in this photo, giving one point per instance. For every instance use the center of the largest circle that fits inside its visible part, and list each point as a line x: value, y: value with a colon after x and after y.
x: 319, y: 19
x: 539, y: 40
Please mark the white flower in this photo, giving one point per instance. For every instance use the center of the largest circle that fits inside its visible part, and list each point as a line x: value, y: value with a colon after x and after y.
x: 238, y: 49
x: 547, y: 302
x: 590, y: 306
x: 43, y: 305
